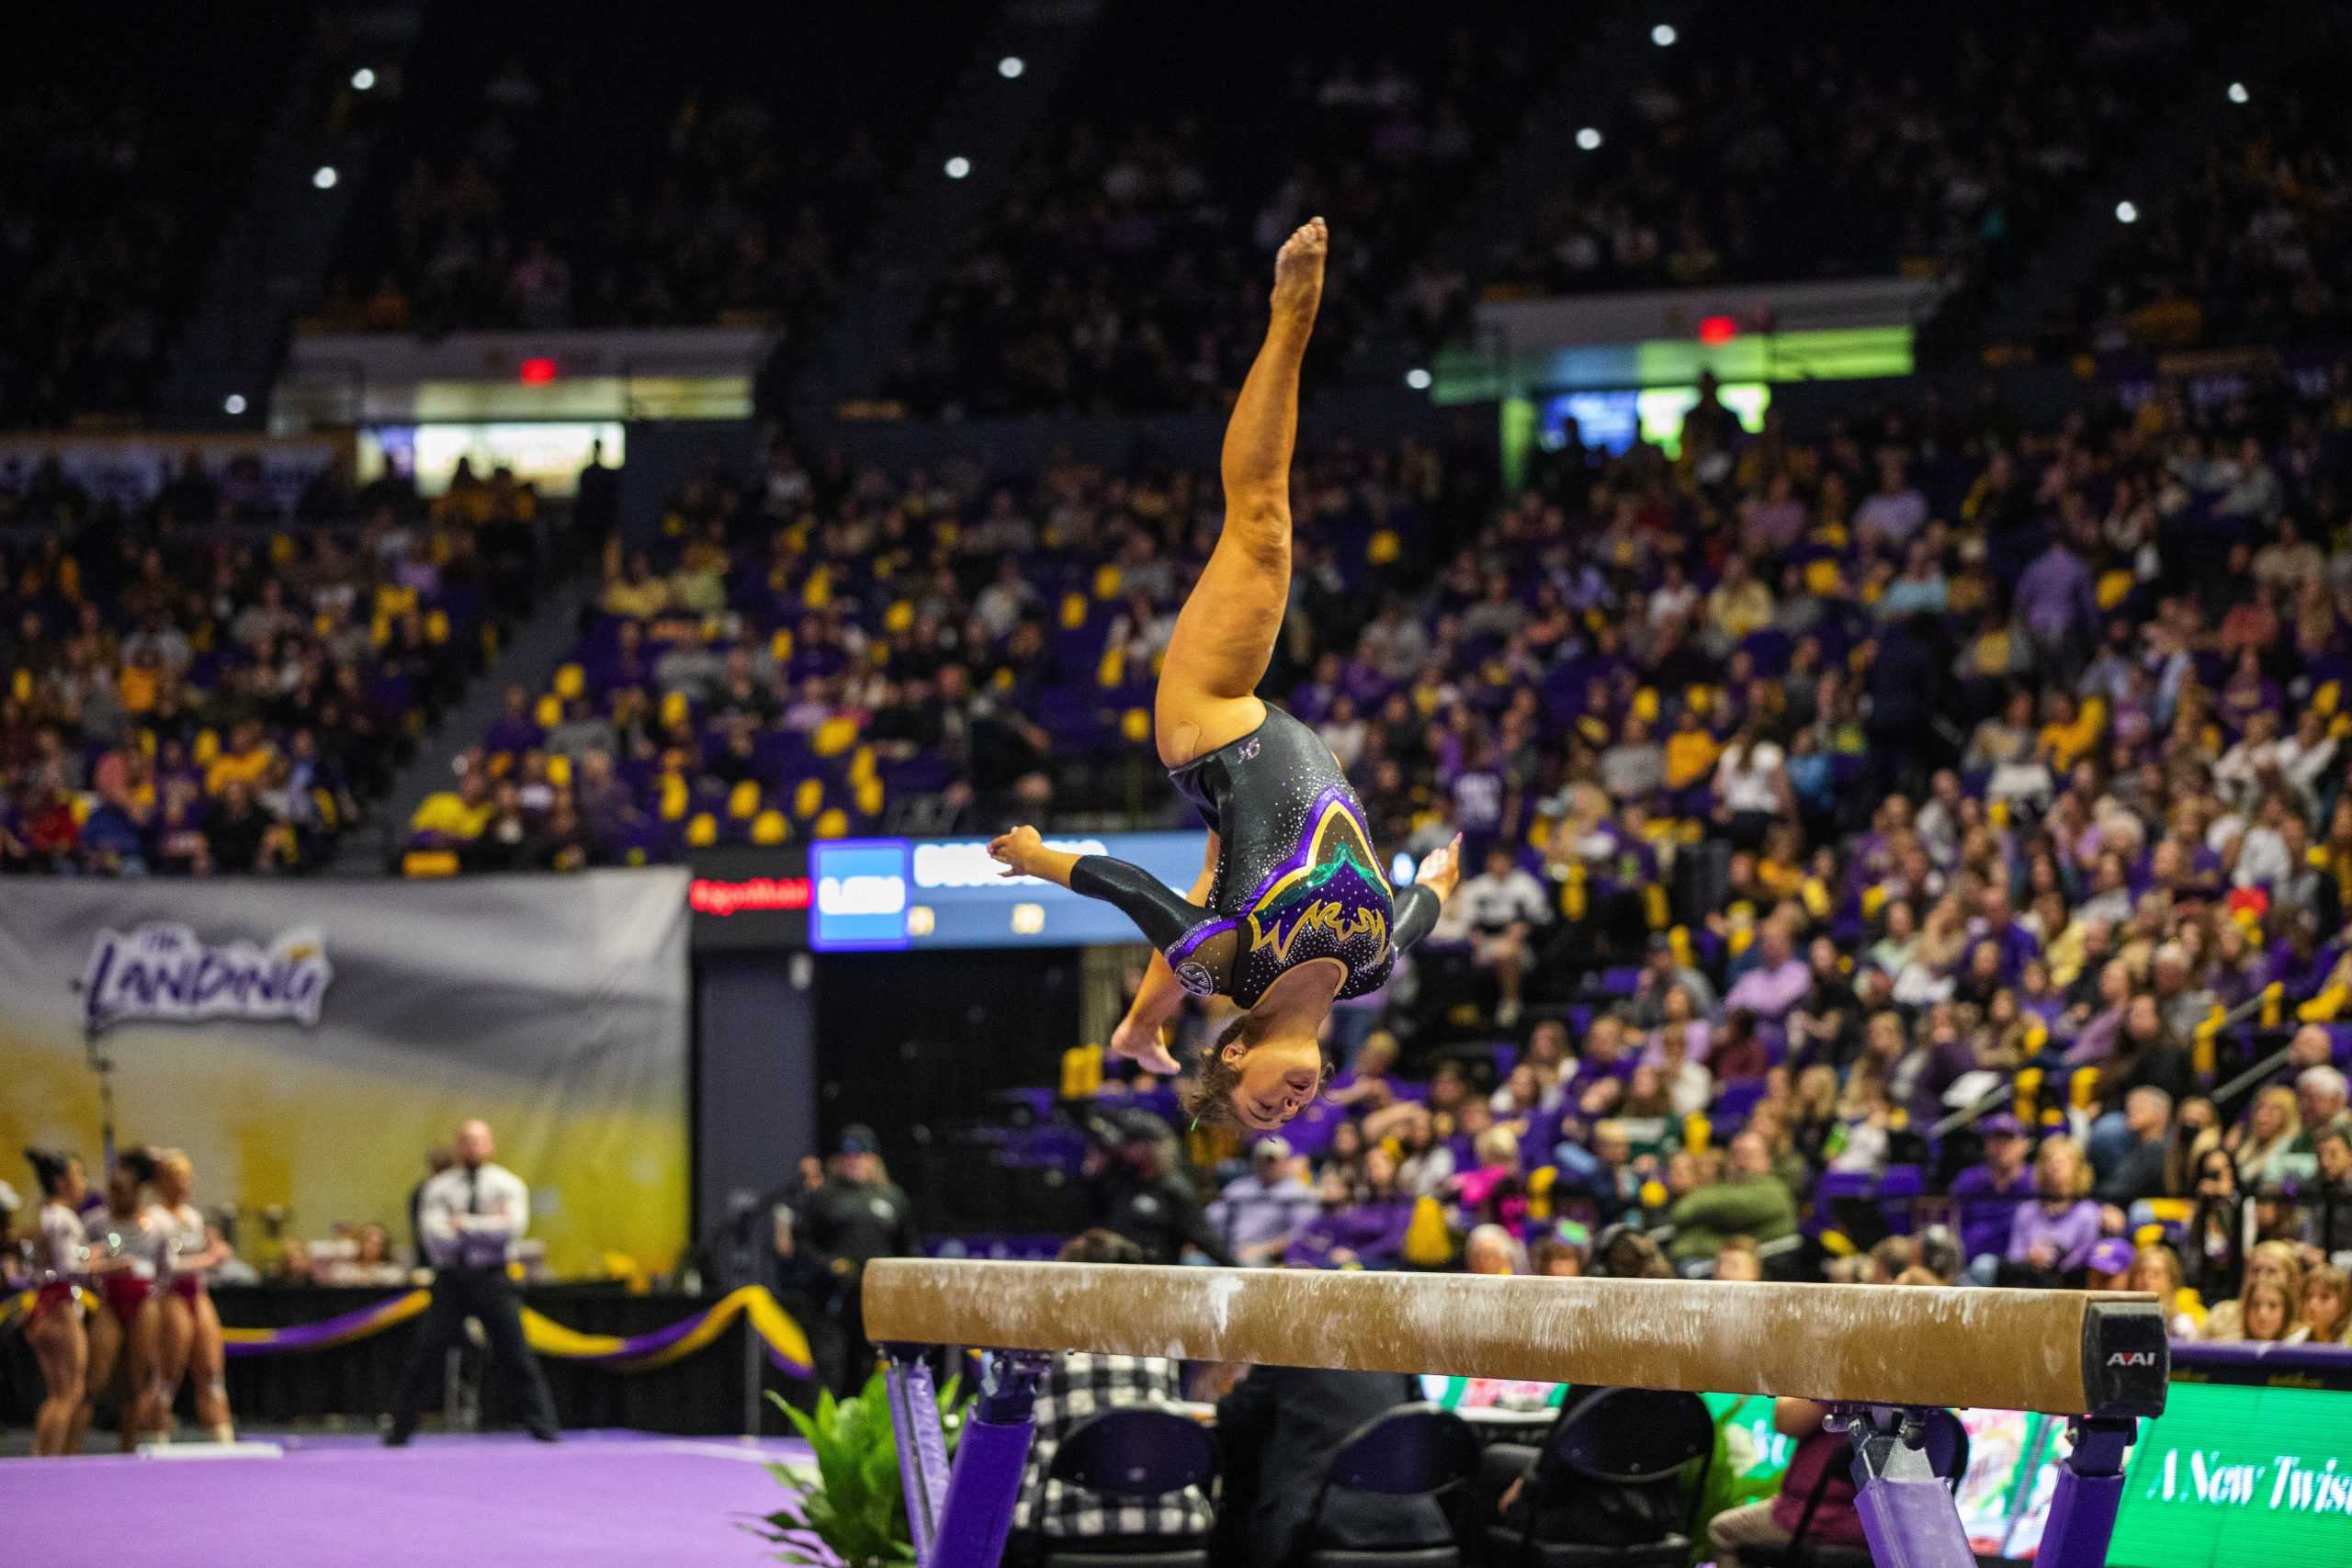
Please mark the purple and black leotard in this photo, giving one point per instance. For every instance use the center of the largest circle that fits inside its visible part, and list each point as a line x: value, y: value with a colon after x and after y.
x: 1296, y: 875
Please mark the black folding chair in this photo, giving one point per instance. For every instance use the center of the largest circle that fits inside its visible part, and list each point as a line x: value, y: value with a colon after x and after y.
x: 1414, y: 1451
x: 1139, y: 1453
x: 1616, y: 1444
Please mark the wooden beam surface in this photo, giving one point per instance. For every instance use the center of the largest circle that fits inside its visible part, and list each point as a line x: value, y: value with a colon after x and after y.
x: 1886, y: 1344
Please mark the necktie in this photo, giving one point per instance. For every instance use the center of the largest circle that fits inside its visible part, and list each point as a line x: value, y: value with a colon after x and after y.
x: 473, y: 1190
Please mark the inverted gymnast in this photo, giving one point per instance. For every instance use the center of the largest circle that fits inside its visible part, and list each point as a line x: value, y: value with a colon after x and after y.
x: 1291, y: 911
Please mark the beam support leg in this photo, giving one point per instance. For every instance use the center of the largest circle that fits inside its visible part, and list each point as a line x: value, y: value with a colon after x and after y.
x: 2089, y: 1490
x: 922, y: 1445
x: 1907, y: 1512
x: 990, y: 1456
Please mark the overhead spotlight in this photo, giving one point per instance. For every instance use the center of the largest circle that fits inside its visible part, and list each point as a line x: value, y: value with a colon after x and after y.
x: 1011, y: 67
x: 1663, y: 35
x: 326, y: 177
x: 1589, y: 138
x: 234, y: 403
x: 363, y: 79
x: 958, y: 166
x: 2238, y: 94
x: 1418, y: 378
x: 2126, y: 212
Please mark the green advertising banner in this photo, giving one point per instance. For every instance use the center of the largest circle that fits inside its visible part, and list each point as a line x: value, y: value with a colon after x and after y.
x: 2238, y: 1477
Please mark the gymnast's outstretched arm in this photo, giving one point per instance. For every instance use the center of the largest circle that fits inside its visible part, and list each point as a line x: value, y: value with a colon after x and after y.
x: 1162, y: 914
x: 1433, y: 883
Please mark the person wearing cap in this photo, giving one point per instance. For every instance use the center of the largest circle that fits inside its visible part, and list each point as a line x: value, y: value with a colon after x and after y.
x: 1259, y: 1213
x: 857, y: 1215
x: 2109, y: 1265
x: 1987, y: 1193
x: 1137, y: 1191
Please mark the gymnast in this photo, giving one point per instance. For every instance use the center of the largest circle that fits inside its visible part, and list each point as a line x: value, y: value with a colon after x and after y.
x: 1291, y: 911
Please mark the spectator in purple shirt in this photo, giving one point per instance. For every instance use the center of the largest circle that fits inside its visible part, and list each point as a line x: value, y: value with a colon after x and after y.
x: 1368, y: 1230
x: 2055, y: 603
x: 1778, y: 982
x: 1987, y: 1193
x: 2052, y: 1233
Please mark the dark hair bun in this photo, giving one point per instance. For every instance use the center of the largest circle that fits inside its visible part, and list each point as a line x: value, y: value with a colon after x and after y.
x: 48, y: 1168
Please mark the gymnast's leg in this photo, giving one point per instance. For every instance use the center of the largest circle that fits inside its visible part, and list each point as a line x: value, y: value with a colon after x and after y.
x: 1224, y: 636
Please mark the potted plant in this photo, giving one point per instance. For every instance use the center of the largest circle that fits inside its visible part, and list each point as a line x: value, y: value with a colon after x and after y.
x: 853, y: 1512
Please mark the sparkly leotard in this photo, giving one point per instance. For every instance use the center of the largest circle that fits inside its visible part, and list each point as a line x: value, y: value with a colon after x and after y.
x: 1296, y: 875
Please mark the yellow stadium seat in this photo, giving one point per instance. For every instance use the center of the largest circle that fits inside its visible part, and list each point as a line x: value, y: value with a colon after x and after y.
x: 437, y: 627
x: 780, y: 645
x: 809, y: 798
x: 743, y: 801
x: 570, y: 682
x: 2325, y: 699
x: 770, y: 828
x: 835, y: 737
x: 674, y: 710
x: 1384, y: 548
x: 501, y: 764
x: 833, y: 824
x: 560, y: 769
x: 703, y: 831
x: 80, y: 804
x: 1073, y: 611
x: 869, y: 796
x: 675, y: 798
x: 20, y: 685
x: 818, y: 591
x: 207, y: 745
x: 2114, y: 587
x: 429, y: 862
x: 899, y: 617
x: 1427, y: 1242
x: 1002, y: 680
x: 636, y: 856
x: 862, y: 765
x: 1112, y: 670
x: 1135, y: 725
x: 548, y: 711
x: 1106, y: 583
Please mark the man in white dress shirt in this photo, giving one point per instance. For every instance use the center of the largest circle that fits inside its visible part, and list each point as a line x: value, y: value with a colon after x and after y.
x: 469, y: 1216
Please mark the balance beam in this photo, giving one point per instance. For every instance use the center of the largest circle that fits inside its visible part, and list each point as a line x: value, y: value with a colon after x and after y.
x: 2060, y: 1352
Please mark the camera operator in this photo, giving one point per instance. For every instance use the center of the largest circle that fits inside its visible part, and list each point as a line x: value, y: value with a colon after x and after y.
x: 1135, y: 1190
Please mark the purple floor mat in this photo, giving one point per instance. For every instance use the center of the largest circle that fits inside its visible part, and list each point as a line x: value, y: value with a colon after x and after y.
x: 596, y: 1498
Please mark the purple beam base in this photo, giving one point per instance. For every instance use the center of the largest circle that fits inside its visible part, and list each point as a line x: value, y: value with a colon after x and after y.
x: 990, y: 1456
x: 923, y: 1446
x: 1907, y: 1512
x: 2089, y: 1490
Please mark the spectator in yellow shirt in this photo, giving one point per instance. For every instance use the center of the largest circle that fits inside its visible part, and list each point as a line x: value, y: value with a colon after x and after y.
x: 457, y: 815
x: 245, y: 760
x: 638, y: 594
x: 1739, y: 605
x: 1691, y: 751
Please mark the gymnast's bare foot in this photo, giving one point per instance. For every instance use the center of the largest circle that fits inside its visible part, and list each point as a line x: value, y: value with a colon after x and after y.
x: 1298, y: 270
x: 1144, y: 1047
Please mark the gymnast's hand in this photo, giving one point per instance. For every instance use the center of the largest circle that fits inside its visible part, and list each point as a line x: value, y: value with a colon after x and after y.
x: 1016, y: 849
x: 1440, y: 870
x: 1143, y: 1044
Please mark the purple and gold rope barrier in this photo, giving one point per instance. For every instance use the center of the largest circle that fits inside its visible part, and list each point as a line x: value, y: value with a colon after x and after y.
x: 787, y: 1346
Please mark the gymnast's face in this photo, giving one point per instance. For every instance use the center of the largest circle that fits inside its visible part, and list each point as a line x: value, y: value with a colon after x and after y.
x: 1279, y: 1077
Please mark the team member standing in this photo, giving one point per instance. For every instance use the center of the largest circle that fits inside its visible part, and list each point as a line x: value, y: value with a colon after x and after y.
x: 191, y: 1346
x: 54, y: 1330
x: 1291, y: 911
x: 469, y: 1218
x: 127, y: 1253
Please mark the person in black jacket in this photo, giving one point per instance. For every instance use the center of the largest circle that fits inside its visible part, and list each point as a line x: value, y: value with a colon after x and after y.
x: 1138, y: 1193
x: 1277, y: 1432
x: 857, y: 1215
